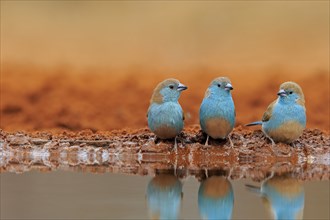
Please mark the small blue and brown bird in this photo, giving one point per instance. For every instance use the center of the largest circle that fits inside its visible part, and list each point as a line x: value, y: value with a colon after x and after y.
x: 285, y: 118
x: 283, y: 197
x: 215, y: 198
x: 217, y: 111
x: 165, y: 115
x: 164, y: 196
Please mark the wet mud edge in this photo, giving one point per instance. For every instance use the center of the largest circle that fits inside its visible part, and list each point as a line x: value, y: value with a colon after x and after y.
x: 139, y: 152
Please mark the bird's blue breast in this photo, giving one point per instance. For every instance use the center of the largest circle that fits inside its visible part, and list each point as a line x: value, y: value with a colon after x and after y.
x: 283, y: 113
x: 215, y: 108
x: 168, y: 114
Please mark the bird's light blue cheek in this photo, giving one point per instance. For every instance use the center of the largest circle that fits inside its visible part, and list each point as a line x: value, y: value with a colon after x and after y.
x: 170, y: 94
x: 291, y: 98
x: 215, y: 90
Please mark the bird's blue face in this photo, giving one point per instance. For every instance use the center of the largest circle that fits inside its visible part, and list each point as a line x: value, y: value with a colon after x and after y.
x: 291, y: 93
x: 288, y: 96
x: 171, y: 92
x: 221, y: 87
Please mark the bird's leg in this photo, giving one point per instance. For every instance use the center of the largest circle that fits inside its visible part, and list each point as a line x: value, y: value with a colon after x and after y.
x: 230, y: 173
x: 206, y: 173
x: 270, y: 176
x: 230, y: 141
x: 207, y: 141
x: 273, y: 142
x: 273, y: 147
x: 181, y: 141
x: 175, y: 165
x: 175, y: 145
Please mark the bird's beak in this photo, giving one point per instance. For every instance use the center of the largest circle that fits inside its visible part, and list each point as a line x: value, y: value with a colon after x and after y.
x: 282, y: 93
x: 229, y: 87
x: 181, y: 87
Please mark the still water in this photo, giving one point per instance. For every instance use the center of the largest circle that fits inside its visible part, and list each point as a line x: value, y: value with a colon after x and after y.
x: 64, y: 194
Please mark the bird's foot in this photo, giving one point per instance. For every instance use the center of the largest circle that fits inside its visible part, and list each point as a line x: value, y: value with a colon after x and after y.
x: 273, y: 147
x: 287, y: 153
x: 273, y: 143
x: 181, y: 141
x: 280, y: 153
x: 156, y: 140
x: 207, y: 141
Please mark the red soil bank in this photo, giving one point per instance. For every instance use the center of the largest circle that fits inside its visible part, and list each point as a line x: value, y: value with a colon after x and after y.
x: 34, y: 99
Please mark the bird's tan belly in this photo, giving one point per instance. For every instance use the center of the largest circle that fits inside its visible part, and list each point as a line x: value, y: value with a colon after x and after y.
x: 217, y: 127
x: 287, y: 132
x: 166, y: 132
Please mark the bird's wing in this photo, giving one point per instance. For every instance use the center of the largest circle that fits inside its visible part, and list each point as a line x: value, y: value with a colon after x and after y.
x: 207, y: 93
x: 268, y: 113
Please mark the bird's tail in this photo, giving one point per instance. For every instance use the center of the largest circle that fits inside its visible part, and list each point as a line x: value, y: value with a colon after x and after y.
x: 254, y: 123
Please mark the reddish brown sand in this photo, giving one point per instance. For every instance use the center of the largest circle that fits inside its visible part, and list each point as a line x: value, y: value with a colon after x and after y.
x: 56, y: 99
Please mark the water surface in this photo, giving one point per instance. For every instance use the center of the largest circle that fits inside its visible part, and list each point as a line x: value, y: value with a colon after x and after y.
x: 68, y: 195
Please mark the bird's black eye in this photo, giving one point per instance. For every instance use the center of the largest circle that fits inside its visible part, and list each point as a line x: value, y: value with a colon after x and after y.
x: 219, y: 85
x: 171, y: 87
x: 290, y: 92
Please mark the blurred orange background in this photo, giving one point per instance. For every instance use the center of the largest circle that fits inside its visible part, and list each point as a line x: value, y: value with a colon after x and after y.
x: 93, y: 65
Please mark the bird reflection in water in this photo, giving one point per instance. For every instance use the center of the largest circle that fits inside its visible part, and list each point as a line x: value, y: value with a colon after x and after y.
x: 215, y: 198
x: 283, y: 197
x: 164, y: 195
